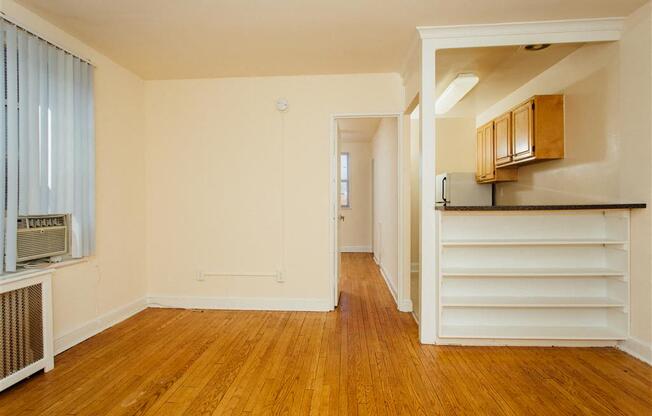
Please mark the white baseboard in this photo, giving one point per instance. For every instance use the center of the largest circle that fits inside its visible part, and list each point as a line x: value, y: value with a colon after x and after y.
x: 405, y: 305
x: 258, y: 304
x: 637, y: 348
x: 95, y: 326
x: 469, y: 342
x: 388, y: 282
x: 356, y: 249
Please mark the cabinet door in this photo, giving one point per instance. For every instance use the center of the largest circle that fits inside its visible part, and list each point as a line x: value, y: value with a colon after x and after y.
x: 489, y: 155
x: 522, y: 132
x: 502, y: 127
x: 479, y: 155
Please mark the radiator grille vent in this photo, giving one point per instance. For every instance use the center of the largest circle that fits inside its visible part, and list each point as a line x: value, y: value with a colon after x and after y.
x: 21, y: 329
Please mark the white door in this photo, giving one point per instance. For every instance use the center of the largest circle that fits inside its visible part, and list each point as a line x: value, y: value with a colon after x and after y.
x: 337, y: 215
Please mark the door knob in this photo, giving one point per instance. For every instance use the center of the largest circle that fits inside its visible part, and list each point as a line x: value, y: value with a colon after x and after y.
x: 341, y: 217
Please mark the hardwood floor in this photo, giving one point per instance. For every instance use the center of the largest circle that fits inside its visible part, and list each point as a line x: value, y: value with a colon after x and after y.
x: 362, y: 359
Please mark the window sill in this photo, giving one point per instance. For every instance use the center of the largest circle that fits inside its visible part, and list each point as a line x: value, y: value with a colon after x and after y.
x: 45, y: 267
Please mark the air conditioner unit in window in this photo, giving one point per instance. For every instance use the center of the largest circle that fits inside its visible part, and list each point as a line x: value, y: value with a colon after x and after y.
x: 41, y: 236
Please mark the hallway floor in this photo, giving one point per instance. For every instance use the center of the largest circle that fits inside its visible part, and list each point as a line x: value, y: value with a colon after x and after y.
x: 362, y: 359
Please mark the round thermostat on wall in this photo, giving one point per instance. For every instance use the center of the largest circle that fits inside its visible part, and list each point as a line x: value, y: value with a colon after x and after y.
x: 282, y: 104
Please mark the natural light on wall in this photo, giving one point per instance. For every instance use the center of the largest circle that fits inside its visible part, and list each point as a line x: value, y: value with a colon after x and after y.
x: 455, y: 92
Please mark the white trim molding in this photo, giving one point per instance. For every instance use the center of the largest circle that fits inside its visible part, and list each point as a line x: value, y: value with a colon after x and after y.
x: 637, y: 348
x: 553, y: 31
x: 356, y: 249
x: 249, y: 304
x: 95, y: 326
x: 402, y: 251
x: 405, y: 305
x: 388, y: 282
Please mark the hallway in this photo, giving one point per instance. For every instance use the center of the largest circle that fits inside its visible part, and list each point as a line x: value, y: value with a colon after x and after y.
x: 362, y: 359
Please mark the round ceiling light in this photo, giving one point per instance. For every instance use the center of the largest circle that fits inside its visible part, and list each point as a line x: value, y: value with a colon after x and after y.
x: 536, y: 47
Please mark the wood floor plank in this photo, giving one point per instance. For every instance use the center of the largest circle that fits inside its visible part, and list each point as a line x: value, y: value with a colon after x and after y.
x: 362, y: 359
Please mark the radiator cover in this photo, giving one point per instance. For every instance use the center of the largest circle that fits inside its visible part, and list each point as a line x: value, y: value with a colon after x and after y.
x: 21, y: 320
x: 26, y: 344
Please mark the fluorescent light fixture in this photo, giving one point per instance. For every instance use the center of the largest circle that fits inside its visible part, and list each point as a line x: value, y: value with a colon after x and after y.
x: 455, y: 92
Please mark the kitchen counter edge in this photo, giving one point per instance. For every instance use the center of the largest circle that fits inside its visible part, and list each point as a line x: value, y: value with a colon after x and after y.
x: 574, y: 207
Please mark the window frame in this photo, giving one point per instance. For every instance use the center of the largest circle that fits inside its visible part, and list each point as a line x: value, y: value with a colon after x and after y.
x: 347, y: 155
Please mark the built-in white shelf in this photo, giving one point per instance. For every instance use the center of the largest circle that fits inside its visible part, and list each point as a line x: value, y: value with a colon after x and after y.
x: 533, y: 276
x: 579, y: 333
x: 530, y: 302
x: 533, y: 242
x: 530, y: 272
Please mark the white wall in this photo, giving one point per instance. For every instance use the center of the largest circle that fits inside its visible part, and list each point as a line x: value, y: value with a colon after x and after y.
x: 455, y: 145
x: 90, y: 295
x: 415, y: 211
x: 356, y: 228
x: 385, y: 199
x: 608, y: 103
x: 214, y: 194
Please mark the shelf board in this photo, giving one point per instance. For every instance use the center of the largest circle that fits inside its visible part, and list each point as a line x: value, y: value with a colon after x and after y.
x: 531, y: 332
x: 529, y: 302
x: 532, y: 242
x: 530, y: 272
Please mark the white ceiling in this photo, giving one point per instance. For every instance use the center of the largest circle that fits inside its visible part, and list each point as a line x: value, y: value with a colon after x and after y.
x: 501, y: 71
x: 167, y: 39
x: 357, y: 130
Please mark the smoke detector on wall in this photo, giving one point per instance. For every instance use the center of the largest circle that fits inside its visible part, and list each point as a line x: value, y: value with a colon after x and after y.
x: 282, y: 105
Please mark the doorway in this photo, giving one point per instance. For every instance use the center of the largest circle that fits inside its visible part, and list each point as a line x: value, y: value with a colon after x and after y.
x: 367, y: 196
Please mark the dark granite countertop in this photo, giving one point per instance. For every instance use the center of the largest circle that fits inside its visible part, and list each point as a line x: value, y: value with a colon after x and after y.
x: 539, y: 207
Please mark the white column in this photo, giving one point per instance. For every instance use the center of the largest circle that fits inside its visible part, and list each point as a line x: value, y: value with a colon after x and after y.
x: 428, y: 318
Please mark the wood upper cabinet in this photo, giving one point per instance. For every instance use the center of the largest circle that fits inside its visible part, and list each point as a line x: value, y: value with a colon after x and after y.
x: 489, y: 166
x: 531, y: 132
x: 523, y: 133
x: 538, y: 130
x: 486, y: 157
x: 479, y: 155
x: 503, y: 133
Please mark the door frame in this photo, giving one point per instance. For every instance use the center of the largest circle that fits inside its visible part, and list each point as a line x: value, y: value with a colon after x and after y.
x: 403, y: 301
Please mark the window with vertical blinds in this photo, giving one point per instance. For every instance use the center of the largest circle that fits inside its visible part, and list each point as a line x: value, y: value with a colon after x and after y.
x: 47, y: 148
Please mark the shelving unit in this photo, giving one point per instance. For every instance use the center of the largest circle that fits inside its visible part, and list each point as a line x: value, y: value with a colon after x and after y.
x: 539, y: 333
x: 537, y: 276
x: 530, y: 272
x: 530, y: 302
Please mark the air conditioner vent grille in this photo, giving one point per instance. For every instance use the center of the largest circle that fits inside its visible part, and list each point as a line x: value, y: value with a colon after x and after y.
x: 21, y: 329
x: 41, y: 237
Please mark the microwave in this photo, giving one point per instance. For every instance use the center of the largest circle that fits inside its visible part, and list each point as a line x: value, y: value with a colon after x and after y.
x: 461, y: 189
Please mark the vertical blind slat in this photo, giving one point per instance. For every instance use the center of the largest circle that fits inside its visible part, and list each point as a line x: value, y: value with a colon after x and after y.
x: 49, y: 140
x: 44, y: 150
x: 11, y: 46
x: 3, y: 154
